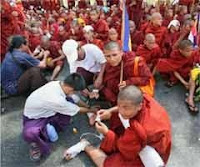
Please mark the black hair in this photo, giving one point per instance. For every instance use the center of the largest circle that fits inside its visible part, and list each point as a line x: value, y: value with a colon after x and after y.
x: 75, y: 81
x: 16, y: 42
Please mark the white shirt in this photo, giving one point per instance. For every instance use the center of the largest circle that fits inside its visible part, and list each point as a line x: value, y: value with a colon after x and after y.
x: 47, y: 101
x: 93, y: 60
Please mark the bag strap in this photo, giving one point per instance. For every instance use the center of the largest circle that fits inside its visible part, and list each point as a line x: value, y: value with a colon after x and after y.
x: 136, y: 62
x: 17, y: 62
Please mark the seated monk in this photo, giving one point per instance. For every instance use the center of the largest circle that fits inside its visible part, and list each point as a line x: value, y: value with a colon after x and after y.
x: 141, y: 123
x: 56, y: 57
x: 150, y: 51
x: 137, y: 37
x: 113, y: 36
x: 100, y: 26
x: 155, y: 27
x: 171, y: 38
x: 62, y: 35
x: 111, y: 80
x: 88, y: 33
x: 180, y: 63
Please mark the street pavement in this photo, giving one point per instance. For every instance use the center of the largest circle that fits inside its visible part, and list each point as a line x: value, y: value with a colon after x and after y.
x: 185, y: 130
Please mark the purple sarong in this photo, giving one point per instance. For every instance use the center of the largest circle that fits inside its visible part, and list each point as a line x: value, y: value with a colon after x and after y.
x: 34, y: 130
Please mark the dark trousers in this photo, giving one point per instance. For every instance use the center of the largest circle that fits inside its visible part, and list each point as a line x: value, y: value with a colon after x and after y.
x: 30, y: 80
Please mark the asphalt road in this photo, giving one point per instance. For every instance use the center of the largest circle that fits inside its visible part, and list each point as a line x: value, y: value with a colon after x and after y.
x: 186, y: 133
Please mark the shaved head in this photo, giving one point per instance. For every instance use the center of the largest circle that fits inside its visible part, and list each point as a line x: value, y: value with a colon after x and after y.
x: 156, y: 15
x: 156, y: 19
x: 150, y: 37
x: 131, y: 93
x: 112, y: 45
x: 184, y: 44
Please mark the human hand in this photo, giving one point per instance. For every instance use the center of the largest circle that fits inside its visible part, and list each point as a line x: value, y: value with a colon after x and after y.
x: 101, y: 127
x: 122, y: 85
x: 98, y: 82
x: 104, y: 114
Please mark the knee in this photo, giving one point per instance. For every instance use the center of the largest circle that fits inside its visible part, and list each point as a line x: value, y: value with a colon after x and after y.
x: 30, y: 134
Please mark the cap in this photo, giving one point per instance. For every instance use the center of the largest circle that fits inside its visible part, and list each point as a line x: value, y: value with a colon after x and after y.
x: 174, y: 23
x: 69, y: 48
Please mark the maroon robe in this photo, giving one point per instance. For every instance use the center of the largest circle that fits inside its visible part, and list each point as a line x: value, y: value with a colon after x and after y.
x: 178, y: 63
x: 137, y: 38
x: 101, y: 28
x: 151, y: 126
x: 150, y: 56
x: 111, y: 77
x: 159, y: 32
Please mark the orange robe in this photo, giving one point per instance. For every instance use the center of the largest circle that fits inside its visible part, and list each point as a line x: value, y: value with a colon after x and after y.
x: 111, y: 77
x: 151, y: 126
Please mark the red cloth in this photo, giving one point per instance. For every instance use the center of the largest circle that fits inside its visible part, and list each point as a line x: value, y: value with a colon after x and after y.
x: 82, y: 4
x: 101, y: 27
x: 135, y: 11
x: 151, y: 126
x: 9, y: 27
x: 178, y: 63
x: 166, y: 21
x: 186, y: 2
x: 34, y: 41
x: 137, y: 38
x: 169, y: 41
x: 112, y: 76
x: 150, y: 56
x: 96, y: 42
x: 159, y: 32
x: 54, y: 48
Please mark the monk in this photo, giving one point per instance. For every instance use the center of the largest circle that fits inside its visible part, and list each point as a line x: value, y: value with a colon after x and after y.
x: 155, y: 27
x: 62, y: 35
x: 137, y: 37
x: 100, y: 26
x: 34, y: 38
x: 114, y: 36
x: 56, y: 56
x: 142, y: 123
x: 180, y: 63
x: 150, y: 51
x: 111, y: 80
x: 88, y: 33
x: 171, y: 38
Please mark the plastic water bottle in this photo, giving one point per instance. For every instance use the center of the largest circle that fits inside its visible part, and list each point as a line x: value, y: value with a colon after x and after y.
x: 51, y: 132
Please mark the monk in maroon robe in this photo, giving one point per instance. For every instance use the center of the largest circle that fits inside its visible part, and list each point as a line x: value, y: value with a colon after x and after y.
x: 180, y: 63
x: 141, y: 122
x: 100, y: 26
x: 155, y: 27
x: 137, y: 37
x: 88, y: 33
x: 150, y: 51
x: 111, y: 80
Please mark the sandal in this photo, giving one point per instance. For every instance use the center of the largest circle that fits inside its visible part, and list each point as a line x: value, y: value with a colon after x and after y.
x: 35, y: 153
x: 191, y: 108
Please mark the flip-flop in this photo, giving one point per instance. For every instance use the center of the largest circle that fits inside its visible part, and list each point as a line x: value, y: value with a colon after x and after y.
x: 35, y: 153
x: 192, y: 109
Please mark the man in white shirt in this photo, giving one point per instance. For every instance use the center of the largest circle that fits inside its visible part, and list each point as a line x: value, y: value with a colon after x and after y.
x: 87, y: 60
x: 51, y: 104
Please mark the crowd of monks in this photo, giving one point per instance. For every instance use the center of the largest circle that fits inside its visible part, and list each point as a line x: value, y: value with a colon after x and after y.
x: 159, y: 38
